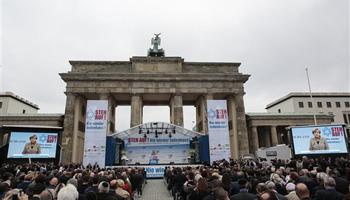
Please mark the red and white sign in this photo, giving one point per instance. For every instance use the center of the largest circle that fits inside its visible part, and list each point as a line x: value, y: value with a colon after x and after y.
x: 95, y: 132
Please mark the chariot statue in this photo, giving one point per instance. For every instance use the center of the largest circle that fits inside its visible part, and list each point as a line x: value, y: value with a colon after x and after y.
x: 155, y: 51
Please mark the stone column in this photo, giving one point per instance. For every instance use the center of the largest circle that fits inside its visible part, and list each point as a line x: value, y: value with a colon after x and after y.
x: 274, y: 138
x: 254, y: 139
x: 111, y: 113
x: 289, y: 139
x: 1, y: 138
x: 68, y: 128
x: 136, y: 110
x: 202, y: 116
x: 232, y: 116
x: 267, y: 138
x: 176, y: 110
x: 77, y: 113
x: 241, y: 125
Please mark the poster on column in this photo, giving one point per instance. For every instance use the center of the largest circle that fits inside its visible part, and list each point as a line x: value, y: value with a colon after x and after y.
x: 95, y: 132
x: 219, y: 141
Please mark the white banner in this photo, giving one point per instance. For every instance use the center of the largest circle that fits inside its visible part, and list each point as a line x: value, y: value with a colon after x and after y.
x: 95, y: 132
x: 219, y: 140
x: 160, y: 150
x: 157, y: 171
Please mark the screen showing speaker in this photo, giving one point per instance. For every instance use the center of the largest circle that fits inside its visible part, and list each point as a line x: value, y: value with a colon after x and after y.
x: 323, y: 139
x: 32, y: 145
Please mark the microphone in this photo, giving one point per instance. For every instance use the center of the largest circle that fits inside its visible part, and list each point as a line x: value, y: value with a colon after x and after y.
x: 318, y: 142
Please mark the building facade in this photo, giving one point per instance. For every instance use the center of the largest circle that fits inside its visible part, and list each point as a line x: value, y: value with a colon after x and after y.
x: 14, y: 104
x: 337, y: 104
x: 16, y: 111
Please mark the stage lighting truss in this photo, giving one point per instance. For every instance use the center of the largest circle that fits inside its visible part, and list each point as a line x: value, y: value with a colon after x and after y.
x: 157, y: 129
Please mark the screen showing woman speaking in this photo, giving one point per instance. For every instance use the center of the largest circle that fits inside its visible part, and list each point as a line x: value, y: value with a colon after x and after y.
x: 328, y: 139
x: 32, y: 145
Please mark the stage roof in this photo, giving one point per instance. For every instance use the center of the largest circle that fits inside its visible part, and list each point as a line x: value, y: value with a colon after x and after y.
x: 156, y: 126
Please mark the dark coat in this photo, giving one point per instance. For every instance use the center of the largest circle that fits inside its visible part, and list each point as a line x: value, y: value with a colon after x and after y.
x: 244, y: 195
x: 328, y: 194
x: 342, y: 185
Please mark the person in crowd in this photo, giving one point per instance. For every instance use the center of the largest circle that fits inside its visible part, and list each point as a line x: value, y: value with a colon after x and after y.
x: 120, y: 191
x: 68, y: 192
x: 227, y: 184
x: 27, y: 180
x: 201, y: 190
x: 342, y: 185
x: 347, y: 196
x: 32, y: 147
x: 104, y: 192
x: 290, y: 188
x: 272, y: 187
x: 127, y: 184
x: 94, y: 186
x: 318, y: 142
x: 47, y: 194
x: 189, y: 185
x: 302, y: 191
x: 136, y: 179
x: 83, y: 183
x: 261, y: 189
x: 53, y: 182
x: 329, y: 192
x: 243, y: 191
x: 221, y: 194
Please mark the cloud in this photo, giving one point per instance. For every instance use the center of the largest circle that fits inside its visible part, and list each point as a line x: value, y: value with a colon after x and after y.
x: 275, y: 40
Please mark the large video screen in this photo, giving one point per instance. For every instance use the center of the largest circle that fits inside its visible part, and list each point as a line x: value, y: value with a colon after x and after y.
x: 328, y: 139
x: 32, y: 145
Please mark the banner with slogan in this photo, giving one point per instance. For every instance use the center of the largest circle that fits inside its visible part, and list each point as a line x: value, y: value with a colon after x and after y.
x: 157, y: 171
x: 95, y: 132
x: 219, y: 140
x: 157, y: 150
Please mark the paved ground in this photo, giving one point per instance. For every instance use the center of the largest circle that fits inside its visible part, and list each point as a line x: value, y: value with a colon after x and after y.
x: 155, y: 189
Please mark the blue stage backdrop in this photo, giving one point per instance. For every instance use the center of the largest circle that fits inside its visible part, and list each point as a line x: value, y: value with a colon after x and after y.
x: 157, y: 150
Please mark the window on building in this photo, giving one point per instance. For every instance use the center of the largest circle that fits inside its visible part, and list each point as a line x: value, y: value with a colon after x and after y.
x: 0, y: 104
x: 309, y: 104
x: 23, y: 111
x: 337, y: 104
x: 329, y: 104
x: 347, y: 104
x: 345, y: 119
x: 301, y: 104
x: 319, y: 104
x: 279, y: 110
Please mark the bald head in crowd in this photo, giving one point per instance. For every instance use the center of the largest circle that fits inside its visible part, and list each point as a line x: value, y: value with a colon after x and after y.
x: 302, y: 191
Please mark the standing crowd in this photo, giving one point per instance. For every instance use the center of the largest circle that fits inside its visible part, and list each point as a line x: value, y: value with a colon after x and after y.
x: 69, y: 182
x: 307, y: 178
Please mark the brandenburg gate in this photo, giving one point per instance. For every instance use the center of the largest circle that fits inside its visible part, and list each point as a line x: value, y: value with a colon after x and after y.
x: 152, y: 80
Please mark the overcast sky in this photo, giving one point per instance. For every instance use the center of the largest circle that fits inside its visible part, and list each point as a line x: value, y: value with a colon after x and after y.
x: 273, y: 39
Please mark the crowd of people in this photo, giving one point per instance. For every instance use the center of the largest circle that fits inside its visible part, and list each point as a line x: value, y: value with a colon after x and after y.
x: 306, y: 178
x: 69, y: 182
